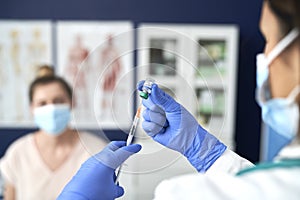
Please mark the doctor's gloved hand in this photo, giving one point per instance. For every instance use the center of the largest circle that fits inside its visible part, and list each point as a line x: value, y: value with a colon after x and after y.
x: 96, y: 177
x: 170, y: 124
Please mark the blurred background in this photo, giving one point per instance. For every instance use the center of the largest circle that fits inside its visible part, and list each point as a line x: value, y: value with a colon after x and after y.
x: 242, y: 15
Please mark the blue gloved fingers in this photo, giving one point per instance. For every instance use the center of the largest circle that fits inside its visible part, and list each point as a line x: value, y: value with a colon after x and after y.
x: 148, y: 103
x: 140, y: 84
x: 95, y: 178
x: 119, y: 191
x: 162, y: 99
x: 114, y: 145
x: 157, y: 118
x: 125, y: 152
x: 183, y: 133
x: 113, y: 155
x: 133, y: 148
x: 152, y: 129
x: 158, y: 97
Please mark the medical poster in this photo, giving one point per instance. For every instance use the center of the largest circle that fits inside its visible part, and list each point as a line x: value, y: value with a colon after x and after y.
x: 96, y: 58
x: 24, y: 46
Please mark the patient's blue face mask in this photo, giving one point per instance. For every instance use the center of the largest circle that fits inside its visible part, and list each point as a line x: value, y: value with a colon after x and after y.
x: 53, y: 119
x: 281, y: 114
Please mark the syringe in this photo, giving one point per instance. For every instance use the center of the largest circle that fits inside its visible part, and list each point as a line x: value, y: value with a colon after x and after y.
x: 130, y: 135
x: 146, y: 91
x: 134, y: 125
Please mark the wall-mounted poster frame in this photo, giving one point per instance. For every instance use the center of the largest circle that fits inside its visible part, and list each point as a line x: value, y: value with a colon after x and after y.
x: 24, y: 46
x: 203, y: 61
x: 96, y: 58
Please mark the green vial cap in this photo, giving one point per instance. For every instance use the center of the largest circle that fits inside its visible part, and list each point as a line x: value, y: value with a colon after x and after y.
x: 143, y: 95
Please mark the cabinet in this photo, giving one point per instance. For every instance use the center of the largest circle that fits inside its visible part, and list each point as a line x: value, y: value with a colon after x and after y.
x: 197, y: 65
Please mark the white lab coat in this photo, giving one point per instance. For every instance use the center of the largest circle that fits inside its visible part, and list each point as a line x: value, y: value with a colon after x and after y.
x: 221, y: 182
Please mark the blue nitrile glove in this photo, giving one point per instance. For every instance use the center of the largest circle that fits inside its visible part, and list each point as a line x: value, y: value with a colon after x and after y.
x: 170, y: 124
x: 96, y: 178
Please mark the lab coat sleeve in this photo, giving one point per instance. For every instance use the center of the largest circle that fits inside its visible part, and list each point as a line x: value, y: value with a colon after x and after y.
x: 230, y: 163
x: 272, y: 184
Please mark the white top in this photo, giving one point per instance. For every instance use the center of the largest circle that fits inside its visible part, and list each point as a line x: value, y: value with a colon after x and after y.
x: 220, y: 181
x: 23, y: 167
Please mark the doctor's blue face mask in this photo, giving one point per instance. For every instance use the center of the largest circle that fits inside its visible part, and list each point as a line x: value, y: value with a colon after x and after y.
x: 281, y: 114
x: 53, y: 119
